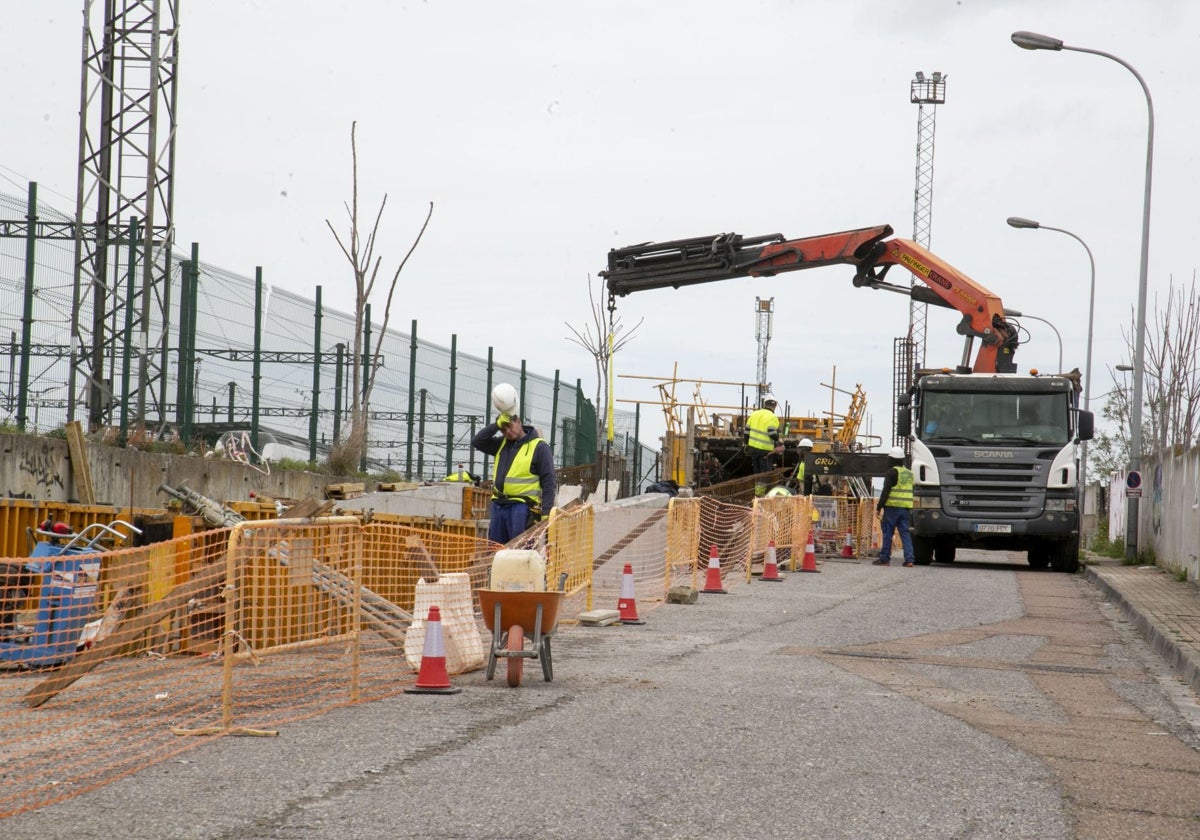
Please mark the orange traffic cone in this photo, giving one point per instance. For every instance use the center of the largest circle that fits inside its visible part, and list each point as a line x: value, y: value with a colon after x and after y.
x: 713, y: 584
x: 770, y: 567
x: 810, y: 556
x: 848, y: 546
x: 627, y: 605
x: 432, y: 678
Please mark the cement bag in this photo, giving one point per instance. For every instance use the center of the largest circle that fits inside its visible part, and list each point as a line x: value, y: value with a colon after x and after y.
x: 451, y: 594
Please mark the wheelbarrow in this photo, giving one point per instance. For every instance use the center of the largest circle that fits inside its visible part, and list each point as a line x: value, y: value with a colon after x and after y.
x: 509, y: 614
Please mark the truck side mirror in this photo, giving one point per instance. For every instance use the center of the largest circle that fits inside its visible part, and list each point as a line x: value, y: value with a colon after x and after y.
x: 1086, y: 425
x: 904, y: 422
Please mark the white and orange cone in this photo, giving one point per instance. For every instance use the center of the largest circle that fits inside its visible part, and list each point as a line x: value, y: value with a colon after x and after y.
x: 432, y: 677
x: 771, y: 566
x: 810, y: 556
x: 713, y: 584
x: 848, y: 546
x: 627, y: 603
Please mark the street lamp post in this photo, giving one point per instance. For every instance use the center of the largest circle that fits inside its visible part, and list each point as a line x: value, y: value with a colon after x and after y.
x: 1056, y: 333
x: 1018, y: 222
x: 1034, y: 41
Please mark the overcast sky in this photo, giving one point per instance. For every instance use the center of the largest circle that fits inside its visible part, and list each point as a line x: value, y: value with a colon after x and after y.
x: 546, y: 133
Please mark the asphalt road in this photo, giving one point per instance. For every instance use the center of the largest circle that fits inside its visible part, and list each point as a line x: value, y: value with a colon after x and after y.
x: 972, y: 701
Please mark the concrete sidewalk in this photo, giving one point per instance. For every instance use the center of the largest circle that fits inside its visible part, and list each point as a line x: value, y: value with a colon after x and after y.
x: 1164, y: 609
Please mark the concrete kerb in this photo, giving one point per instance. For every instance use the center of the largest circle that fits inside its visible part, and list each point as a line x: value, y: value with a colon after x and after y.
x: 1183, y: 660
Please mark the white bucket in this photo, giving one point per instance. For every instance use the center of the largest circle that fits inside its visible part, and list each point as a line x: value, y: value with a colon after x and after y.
x: 519, y: 570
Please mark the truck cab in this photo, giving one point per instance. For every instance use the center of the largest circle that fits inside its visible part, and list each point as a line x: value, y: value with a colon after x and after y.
x: 995, y: 460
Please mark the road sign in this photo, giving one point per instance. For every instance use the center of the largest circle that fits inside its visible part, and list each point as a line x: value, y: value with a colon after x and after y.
x: 1133, y: 484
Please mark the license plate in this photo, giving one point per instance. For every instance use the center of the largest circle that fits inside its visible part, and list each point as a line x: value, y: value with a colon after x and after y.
x: 991, y: 528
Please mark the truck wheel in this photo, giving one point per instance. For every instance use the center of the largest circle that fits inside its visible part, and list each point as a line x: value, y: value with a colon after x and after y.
x: 922, y: 550
x: 1039, y: 557
x: 944, y: 552
x: 1064, y: 556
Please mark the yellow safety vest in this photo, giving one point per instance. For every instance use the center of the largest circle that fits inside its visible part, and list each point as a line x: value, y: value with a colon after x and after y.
x: 761, y: 425
x: 901, y: 495
x: 520, y: 483
x: 461, y: 475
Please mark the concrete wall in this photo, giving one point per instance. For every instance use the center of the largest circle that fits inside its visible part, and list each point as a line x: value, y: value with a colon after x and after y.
x: 1169, y: 510
x: 34, y: 467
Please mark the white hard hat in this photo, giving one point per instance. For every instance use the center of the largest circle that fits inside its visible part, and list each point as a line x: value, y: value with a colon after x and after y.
x: 770, y: 398
x: 504, y: 398
x: 896, y: 452
x: 806, y: 442
x: 778, y: 491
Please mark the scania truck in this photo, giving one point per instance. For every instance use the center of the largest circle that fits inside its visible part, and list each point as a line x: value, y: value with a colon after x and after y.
x: 994, y: 452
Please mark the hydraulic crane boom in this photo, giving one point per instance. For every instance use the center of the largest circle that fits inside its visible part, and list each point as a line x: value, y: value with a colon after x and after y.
x: 684, y: 262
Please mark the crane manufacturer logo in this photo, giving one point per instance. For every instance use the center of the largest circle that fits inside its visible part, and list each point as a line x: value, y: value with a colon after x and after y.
x: 919, y: 267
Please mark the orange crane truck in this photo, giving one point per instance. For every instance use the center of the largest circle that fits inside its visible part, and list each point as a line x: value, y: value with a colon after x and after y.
x: 995, y: 453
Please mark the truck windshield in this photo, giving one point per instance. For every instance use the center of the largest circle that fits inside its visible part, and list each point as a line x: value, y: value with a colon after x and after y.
x: 967, y: 418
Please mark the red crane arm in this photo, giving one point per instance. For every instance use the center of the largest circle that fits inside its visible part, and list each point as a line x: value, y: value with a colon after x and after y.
x: 724, y: 256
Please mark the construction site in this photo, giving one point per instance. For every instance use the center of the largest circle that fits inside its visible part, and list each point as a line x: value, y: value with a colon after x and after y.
x: 156, y: 599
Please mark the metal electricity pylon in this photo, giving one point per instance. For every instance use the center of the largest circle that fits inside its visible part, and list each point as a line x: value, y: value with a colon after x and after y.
x: 124, y: 201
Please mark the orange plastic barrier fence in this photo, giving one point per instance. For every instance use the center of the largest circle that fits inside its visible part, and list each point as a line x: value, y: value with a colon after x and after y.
x: 133, y: 656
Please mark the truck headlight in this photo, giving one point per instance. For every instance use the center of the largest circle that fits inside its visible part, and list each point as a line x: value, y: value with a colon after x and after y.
x: 1067, y: 505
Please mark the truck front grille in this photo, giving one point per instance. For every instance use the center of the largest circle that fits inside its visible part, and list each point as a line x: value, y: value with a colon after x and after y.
x: 1010, y: 489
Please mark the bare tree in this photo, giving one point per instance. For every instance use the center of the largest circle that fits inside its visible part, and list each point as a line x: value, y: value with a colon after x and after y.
x: 347, y: 456
x: 593, y: 337
x: 1172, y: 372
x: 1171, y: 380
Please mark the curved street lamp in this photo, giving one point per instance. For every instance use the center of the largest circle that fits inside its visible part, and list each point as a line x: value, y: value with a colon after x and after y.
x: 1030, y: 224
x: 1057, y: 334
x: 1034, y: 41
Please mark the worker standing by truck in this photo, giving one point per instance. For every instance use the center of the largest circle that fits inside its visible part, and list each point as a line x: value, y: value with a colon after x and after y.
x: 803, y: 484
x: 761, y: 437
x: 895, y: 506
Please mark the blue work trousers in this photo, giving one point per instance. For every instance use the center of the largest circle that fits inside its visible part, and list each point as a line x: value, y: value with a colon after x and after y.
x: 896, y: 519
x: 508, y: 521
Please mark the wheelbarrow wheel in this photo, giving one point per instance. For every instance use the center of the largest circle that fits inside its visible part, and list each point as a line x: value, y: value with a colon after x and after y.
x: 516, y: 664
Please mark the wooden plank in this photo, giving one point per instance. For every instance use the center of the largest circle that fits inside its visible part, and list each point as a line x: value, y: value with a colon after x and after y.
x: 428, y: 567
x: 127, y: 632
x: 81, y: 470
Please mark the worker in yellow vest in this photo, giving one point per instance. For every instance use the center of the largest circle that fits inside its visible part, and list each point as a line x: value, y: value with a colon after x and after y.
x: 761, y: 437
x: 461, y: 474
x: 523, y: 480
x: 895, y: 506
x: 803, y: 487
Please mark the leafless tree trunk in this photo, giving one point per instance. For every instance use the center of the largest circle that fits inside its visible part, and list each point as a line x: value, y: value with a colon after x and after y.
x: 361, y: 255
x: 593, y: 337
